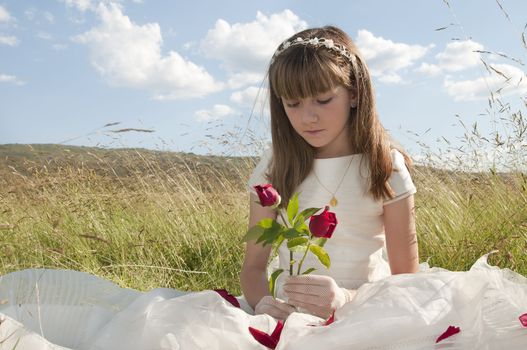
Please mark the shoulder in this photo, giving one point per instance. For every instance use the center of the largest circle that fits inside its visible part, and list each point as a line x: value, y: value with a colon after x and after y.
x: 398, y: 160
x: 400, y: 179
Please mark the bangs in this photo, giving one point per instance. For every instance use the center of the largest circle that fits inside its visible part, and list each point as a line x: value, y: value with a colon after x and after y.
x: 305, y: 72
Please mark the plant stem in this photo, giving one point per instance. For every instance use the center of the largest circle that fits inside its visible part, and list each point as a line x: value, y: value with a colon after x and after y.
x: 302, y: 261
x: 290, y: 252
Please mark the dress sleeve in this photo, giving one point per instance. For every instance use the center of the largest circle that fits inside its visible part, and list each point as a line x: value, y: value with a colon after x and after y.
x: 258, y: 175
x: 400, y: 180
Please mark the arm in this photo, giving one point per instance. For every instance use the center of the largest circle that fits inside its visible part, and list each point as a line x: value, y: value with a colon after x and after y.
x: 401, y: 238
x: 253, y: 276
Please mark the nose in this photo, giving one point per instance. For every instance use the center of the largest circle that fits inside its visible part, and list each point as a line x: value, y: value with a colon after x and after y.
x: 309, y: 114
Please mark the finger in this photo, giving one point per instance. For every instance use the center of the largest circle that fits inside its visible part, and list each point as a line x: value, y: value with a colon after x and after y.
x: 308, y: 279
x: 297, y: 291
x: 277, y: 312
x: 304, y: 289
x: 284, y: 307
x: 316, y: 310
x: 310, y: 300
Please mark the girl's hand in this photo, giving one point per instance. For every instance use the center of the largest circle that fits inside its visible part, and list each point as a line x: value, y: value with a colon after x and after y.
x: 273, y: 307
x: 319, y: 295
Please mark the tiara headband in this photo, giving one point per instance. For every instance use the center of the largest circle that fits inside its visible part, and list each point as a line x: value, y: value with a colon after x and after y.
x: 316, y: 42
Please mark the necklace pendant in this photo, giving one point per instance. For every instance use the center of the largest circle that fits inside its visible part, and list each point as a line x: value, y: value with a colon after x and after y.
x: 333, y: 202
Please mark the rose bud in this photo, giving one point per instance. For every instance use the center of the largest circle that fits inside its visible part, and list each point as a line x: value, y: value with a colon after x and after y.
x: 268, y: 196
x: 324, y: 224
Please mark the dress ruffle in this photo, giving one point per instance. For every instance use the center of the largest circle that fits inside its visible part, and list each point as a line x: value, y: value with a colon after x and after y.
x: 62, y: 309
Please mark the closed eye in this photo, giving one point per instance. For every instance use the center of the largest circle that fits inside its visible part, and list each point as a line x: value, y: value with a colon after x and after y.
x: 291, y: 104
x: 326, y: 101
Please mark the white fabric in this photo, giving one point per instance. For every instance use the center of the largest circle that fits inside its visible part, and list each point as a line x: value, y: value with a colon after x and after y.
x: 80, y: 311
x: 356, y: 247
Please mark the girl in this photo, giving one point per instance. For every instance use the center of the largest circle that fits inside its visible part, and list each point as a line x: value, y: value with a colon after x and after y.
x: 328, y: 144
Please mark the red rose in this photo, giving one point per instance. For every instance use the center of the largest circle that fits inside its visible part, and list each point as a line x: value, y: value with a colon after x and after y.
x: 324, y: 224
x: 268, y: 196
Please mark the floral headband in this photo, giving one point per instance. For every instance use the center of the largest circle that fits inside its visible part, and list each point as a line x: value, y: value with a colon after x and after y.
x: 316, y: 42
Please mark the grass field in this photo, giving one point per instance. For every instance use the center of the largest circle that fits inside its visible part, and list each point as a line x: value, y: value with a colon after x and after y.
x: 147, y: 219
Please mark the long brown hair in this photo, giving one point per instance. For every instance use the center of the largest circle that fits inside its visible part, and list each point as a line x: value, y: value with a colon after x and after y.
x: 302, y: 71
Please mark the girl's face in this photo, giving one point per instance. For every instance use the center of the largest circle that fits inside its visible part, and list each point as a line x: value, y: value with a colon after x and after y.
x: 322, y: 120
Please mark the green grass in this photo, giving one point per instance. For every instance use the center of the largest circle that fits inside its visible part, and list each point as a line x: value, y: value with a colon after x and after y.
x: 146, y: 219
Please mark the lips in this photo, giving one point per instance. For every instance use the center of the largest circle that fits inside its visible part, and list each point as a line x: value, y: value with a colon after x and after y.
x: 314, y: 132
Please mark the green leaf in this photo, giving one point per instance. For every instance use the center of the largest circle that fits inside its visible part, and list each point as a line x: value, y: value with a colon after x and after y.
x: 308, y: 271
x: 321, y: 254
x: 265, y: 223
x: 296, y: 242
x: 270, y: 234
x: 305, y: 230
x: 319, y: 241
x: 304, y: 215
x: 292, y: 233
x: 298, y: 248
x: 253, y: 233
x: 309, y: 212
x: 299, y: 221
x: 272, y: 281
x: 292, y: 208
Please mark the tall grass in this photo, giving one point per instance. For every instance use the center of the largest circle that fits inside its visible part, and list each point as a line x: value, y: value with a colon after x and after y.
x: 154, y: 219
x: 141, y: 219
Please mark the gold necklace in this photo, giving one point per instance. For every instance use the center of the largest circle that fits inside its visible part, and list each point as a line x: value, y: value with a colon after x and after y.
x: 333, y: 201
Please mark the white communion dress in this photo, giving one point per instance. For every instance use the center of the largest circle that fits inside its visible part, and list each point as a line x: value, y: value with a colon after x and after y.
x: 62, y: 309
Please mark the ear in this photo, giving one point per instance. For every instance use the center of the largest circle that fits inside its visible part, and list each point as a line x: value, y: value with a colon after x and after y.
x: 354, y: 97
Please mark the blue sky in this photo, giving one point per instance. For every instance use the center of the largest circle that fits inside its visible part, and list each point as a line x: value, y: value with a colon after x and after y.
x: 192, y: 71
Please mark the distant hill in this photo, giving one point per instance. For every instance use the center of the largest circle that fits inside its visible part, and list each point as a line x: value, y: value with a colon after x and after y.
x: 123, y: 162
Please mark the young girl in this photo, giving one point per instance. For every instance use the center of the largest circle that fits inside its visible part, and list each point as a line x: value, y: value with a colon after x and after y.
x: 329, y: 145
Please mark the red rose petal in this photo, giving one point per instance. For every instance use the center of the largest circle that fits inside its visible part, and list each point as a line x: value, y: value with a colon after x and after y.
x: 523, y: 319
x: 229, y: 297
x: 271, y: 341
x: 263, y: 338
x: 330, y: 320
x: 451, y: 330
x: 277, y: 331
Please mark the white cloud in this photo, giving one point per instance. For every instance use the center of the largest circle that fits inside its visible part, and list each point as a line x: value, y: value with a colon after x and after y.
x: 32, y: 14
x: 248, y: 47
x: 129, y: 55
x: 254, y: 98
x: 81, y: 5
x: 49, y: 17
x: 428, y: 69
x: 218, y: 111
x: 5, y: 17
x: 480, y: 88
x: 4, y: 78
x: 246, y: 97
x: 459, y: 56
x: 385, y: 57
x: 391, y: 78
x: 8, y: 40
x: 239, y: 80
